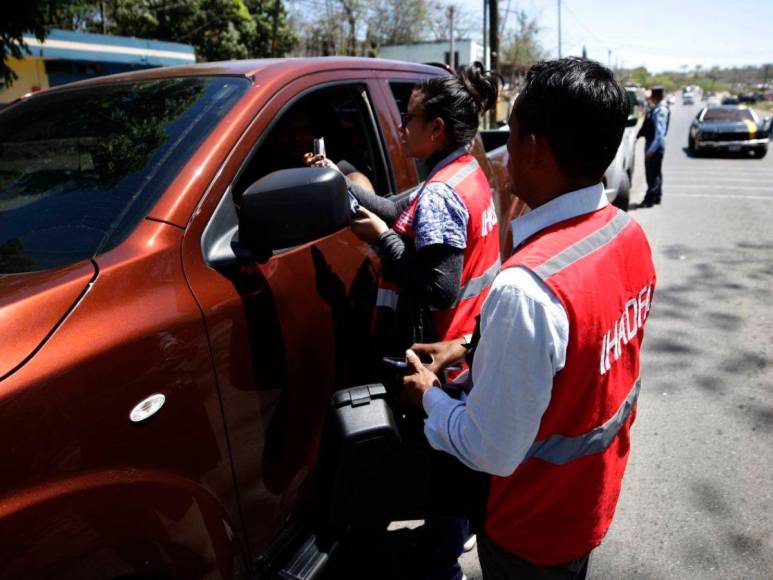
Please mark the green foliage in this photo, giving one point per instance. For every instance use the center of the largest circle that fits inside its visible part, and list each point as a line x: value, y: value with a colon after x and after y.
x: 713, y: 79
x: 639, y: 75
x: 664, y: 80
x: 18, y: 18
x: 218, y: 29
x: 521, y: 47
x: 398, y: 21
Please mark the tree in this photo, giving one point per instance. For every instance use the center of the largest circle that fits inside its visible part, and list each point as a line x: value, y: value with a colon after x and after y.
x: 218, y: 29
x: 352, y: 10
x: 18, y: 18
x: 397, y: 21
x: 521, y: 47
x: 639, y: 75
x: 440, y: 23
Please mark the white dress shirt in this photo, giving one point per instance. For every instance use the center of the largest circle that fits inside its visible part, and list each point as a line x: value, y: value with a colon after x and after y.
x: 524, y: 336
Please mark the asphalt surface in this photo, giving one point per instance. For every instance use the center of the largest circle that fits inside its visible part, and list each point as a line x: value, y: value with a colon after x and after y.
x: 697, y: 499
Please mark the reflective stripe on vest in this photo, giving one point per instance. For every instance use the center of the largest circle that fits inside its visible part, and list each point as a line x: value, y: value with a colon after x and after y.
x: 388, y: 298
x: 587, y: 245
x: 558, y: 449
x: 460, y: 175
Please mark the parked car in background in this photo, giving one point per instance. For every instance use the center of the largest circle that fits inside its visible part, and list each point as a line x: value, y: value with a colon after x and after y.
x: 730, y: 100
x: 179, y: 299
x: 688, y: 98
x: 619, y: 175
x: 730, y: 128
x: 749, y: 97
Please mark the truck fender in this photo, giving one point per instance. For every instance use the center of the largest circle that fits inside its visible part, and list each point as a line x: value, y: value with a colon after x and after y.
x: 114, y: 523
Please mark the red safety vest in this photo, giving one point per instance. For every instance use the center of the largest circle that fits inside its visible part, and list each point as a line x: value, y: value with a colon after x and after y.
x: 558, y: 504
x: 481, y: 256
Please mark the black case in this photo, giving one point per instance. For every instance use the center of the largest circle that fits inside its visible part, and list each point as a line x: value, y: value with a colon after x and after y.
x: 376, y: 465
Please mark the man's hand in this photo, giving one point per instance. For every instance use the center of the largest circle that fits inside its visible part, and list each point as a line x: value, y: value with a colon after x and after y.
x: 312, y: 160
x: 442, y: 354
x: 649, y: 154
x: 420, y: 380
x: 367, y: 226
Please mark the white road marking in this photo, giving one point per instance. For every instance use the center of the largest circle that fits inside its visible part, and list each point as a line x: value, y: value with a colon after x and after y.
x: 719, y: 196
x: 724, y: 180
x: 721, y: 187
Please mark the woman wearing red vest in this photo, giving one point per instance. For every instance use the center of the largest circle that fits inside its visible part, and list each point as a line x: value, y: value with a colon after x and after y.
x: 556, y: 370
x: 439, y: 246
x: 439, y: 249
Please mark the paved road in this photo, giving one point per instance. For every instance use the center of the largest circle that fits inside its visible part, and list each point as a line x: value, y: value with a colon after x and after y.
x: 697, y: 501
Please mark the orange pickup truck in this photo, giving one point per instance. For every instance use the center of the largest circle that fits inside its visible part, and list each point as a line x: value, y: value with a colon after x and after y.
x: 178, y: 302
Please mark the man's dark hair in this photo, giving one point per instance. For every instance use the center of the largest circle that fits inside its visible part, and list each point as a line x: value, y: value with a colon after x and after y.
x: 579, y: 108
x: 459, y: 100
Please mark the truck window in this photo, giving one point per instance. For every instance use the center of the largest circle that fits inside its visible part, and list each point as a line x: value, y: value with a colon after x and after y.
x: 341, y: 116
x: 401, y: 91
x: 79, y: 168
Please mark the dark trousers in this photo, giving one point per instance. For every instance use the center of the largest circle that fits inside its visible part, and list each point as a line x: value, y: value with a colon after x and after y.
x: 499, y: 564
x: 440, y: 545
x: 653, y: 168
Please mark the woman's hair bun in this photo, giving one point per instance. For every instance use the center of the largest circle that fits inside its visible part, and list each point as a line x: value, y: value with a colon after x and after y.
x: 482, y: 85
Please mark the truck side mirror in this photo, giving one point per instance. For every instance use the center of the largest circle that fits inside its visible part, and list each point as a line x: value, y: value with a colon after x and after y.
x: 291, y: 207
x: 631, y: 121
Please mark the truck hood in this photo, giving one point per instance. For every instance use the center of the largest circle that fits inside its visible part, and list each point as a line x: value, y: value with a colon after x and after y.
x: 33, y: 304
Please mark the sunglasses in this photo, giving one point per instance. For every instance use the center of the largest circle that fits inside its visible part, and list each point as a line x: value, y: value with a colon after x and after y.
x: 406, y: 118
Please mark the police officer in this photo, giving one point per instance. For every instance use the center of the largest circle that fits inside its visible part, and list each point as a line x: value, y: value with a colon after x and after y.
x: 654, y: 131
x: 555, y: 375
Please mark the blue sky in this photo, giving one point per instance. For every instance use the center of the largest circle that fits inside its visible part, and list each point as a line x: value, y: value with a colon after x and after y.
x: 659, y: 34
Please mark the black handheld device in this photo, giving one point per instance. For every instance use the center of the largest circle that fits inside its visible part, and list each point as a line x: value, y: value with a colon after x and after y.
x: 318, y: 146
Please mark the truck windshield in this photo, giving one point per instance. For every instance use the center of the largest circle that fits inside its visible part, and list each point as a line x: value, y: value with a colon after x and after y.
x: 80, y: 167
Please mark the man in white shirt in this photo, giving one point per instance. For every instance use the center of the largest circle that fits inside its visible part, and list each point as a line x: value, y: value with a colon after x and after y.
x: 543, y: 434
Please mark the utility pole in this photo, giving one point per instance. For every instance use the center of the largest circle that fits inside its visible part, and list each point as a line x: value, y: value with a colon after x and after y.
x: 609, y: 57
x: 559, y: 28
x: 493, y: 29
x: 494, y: 42
x: 451, y: 59
x: 275, y: 26
x: 486, y: 60
x: 102, y: 16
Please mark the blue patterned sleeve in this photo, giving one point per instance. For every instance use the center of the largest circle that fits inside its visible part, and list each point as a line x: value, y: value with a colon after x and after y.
x: 441, y: 218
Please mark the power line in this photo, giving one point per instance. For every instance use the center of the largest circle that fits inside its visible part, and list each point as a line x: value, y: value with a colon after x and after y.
x: 589, y: 31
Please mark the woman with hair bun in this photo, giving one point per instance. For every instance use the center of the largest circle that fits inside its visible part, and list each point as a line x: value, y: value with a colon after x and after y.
x: 439, y: 247
x: 440, y: 251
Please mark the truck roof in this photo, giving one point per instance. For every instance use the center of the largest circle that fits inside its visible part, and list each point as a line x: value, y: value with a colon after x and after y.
x: 258, y: 67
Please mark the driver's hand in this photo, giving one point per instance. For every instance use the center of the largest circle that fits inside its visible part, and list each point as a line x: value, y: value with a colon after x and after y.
x: 367, y: 226
x: 312, y: 160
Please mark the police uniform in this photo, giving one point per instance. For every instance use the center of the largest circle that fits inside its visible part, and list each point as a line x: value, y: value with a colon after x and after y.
x: 654, y: 130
